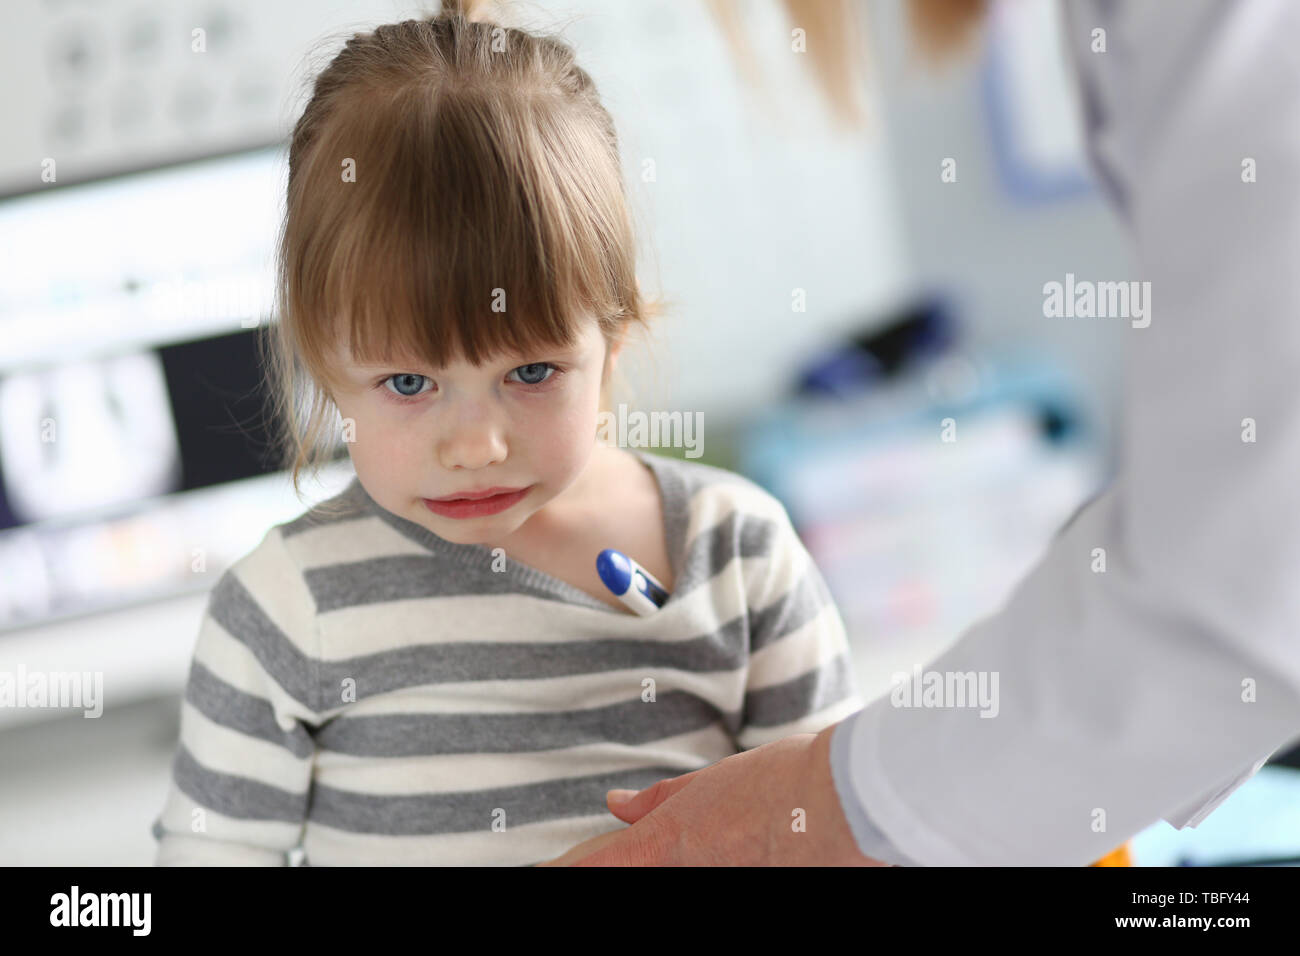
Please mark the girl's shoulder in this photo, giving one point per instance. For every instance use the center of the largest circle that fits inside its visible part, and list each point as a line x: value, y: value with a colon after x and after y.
x: 710, y: 487
x: 288, y: 548
x: 348, y: 505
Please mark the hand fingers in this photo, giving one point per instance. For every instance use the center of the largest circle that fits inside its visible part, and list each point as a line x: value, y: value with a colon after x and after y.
x: 643, y: 845
x: 649, y: 798
x: 584, y: 848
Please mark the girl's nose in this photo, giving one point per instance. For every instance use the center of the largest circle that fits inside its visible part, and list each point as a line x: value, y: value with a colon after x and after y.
x: 474, y: 442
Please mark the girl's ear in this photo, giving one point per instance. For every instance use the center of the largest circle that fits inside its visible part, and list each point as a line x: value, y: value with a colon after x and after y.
x: 612, y: 348
x: 606, y: 377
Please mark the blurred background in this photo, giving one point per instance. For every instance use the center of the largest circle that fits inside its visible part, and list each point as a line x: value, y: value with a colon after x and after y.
x: 836, y: 295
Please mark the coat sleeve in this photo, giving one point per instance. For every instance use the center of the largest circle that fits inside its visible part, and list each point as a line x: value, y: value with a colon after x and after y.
x: 1155, y: 687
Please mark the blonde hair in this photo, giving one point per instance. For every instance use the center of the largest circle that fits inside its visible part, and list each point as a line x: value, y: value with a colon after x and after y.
x: 835, y: 37
x: 486, y: 173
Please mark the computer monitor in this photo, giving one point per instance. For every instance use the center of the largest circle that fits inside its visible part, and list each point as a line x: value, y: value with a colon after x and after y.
x: 130, y: 387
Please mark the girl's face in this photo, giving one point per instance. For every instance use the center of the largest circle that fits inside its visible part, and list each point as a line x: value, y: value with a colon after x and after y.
x: 518, y: 423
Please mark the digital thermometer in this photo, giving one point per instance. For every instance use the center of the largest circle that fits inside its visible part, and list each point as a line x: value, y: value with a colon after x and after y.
x: 632, y: 584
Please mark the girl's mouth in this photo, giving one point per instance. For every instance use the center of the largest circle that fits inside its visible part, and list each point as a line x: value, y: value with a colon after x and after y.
x: 475, y: 507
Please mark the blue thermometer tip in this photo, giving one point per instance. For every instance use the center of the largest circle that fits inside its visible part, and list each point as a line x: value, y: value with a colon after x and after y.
x: 615, y: 570
x: 631, y: 583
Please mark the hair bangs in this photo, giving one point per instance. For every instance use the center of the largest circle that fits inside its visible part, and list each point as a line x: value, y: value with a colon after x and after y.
x: 467, y: 238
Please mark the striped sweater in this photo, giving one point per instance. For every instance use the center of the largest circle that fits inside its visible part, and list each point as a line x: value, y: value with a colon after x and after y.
x: 367, y: 693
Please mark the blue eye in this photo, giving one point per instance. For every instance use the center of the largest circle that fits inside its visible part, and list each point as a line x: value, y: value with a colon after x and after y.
x: 406, y: 380
x: 534, y: 374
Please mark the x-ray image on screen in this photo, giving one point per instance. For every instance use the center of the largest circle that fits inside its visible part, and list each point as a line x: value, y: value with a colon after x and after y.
x: 85, y: 436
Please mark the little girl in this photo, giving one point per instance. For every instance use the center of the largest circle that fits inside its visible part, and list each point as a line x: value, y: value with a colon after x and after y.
x: 426, y: 668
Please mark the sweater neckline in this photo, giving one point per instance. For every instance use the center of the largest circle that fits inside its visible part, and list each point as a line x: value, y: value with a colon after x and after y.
x: 676, y: 516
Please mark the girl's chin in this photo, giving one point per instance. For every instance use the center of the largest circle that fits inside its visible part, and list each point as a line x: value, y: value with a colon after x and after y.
x: 482, y: 531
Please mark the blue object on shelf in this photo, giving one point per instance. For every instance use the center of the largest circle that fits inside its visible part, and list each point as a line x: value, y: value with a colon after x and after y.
x: 808, y: 426
x: 918, y: 333
x: 840, y: 373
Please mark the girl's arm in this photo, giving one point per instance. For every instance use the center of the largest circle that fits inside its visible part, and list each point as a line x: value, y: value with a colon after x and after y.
x: 800, y: 678
x: 242, y: 773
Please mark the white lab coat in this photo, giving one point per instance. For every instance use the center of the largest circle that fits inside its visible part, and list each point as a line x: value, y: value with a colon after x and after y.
x: 1121, y: 693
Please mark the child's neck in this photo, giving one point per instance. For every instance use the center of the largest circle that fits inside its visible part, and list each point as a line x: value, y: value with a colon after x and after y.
x: 574, y: 507
x: 615, y: 503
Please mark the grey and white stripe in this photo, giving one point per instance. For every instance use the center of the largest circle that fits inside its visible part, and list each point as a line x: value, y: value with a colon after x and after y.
x: 378, y: 695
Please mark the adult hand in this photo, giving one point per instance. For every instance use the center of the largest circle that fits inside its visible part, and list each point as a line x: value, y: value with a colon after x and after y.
x: 774, y: 805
